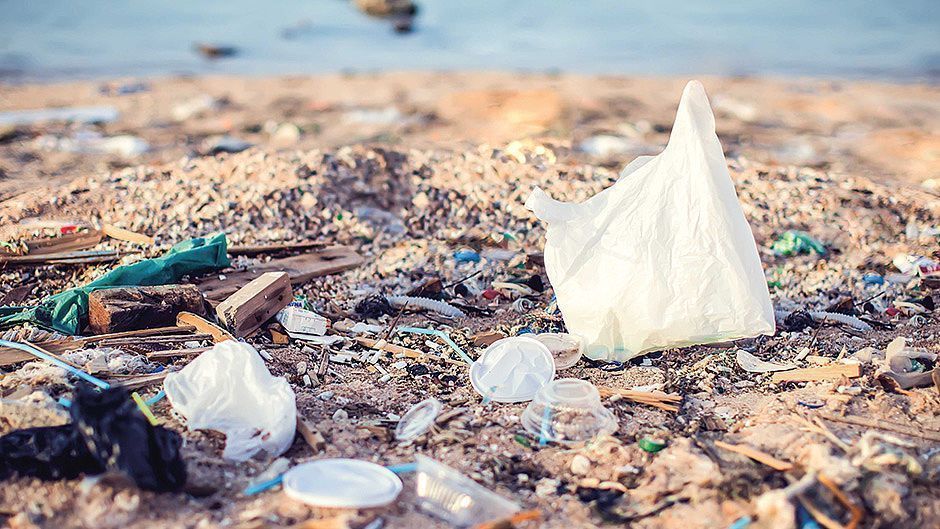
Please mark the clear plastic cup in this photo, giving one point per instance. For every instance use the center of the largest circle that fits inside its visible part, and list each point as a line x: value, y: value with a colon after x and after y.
x: 568, y: 411
x: 418, y: 420
x: 458, y: 500
x: 566, y: 348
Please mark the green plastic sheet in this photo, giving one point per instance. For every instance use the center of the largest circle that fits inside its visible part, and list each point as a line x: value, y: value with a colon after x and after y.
x: 796, y: 242
x: 67, y: 312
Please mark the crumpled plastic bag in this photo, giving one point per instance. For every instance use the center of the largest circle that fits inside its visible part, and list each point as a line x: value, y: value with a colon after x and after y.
x: 67, y: 311
x: 229, y: 389
x: 664, y: 257
x: 108, y: 433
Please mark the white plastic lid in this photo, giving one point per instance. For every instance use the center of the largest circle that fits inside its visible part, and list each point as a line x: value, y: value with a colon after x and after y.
x: 418, y: 419
x: 565, y: 348
x: 512, y: 369
x: 342, y: 483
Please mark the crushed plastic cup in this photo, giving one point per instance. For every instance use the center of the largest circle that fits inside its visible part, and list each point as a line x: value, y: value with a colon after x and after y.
x: 512, y: 369
x: 568, y: 411
x: 418, y: 419
x: 566, y: 348
x: 342, y: 483
x: 458, y: 500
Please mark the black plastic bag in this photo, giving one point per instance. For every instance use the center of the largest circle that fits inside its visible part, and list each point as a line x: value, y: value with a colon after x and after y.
x: 107, y: 433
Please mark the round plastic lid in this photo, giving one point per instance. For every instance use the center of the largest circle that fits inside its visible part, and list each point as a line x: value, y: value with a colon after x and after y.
x: 418, y: 419
x: 512, y: 369
x: 342, y: 483
x: 566, y: 348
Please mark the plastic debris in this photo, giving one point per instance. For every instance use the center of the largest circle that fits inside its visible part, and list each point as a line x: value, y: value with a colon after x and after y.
x: 752, y: 364
x: 676, y: 289
x: 107, y: 434
x: 852, y: 321
x: 566, y: 349
x: 458, y: 500
x: 433, y: 305
x: 443, y: 336
x: 418, y: 419
x: 466, y: 256
x: 342, y: 483
x: 651, y: 445
x: 229, y: 389
x: 512, y: 369
x: 299, y: 321
x: 795, y: 242
x: 568, y: 410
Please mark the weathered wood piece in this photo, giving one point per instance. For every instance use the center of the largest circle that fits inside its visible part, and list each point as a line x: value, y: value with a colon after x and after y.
x: 130, y: 308
x: 246, y: 310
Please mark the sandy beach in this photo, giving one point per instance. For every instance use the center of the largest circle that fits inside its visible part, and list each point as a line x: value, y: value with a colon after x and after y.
x: 407, y: 168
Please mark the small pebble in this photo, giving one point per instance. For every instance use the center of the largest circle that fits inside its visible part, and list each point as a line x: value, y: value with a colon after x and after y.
x: 580, y: 465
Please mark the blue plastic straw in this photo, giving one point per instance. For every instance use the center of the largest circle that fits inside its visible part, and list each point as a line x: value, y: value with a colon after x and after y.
x: 49, y: 358
x: 403, y: 468
x: 64, y: 402
x: 156, y: 398
x: 443, y: 336
x: 263, y: 486
x: 741, y: 523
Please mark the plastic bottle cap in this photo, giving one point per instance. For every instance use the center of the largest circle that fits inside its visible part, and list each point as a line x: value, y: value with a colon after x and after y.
x: 342, y: 483
x: 418, y: 419
x: 512, y: 369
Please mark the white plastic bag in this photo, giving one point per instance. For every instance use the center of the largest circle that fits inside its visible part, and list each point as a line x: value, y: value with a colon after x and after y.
x: 229, y: 389
x: 664, y: 257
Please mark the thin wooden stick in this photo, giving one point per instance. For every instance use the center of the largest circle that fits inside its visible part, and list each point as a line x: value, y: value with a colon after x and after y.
x: 882, y: 424
x: 756, y: 455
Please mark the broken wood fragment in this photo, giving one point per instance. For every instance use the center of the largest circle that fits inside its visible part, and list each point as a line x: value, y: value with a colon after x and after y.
x: 65, y: 258
x: 311, y: 435
x: 126, y: 235
x: 810, y: 374
x: 132, y: 308
x: 10, y: 356
x: 756, y: 455
x: 299, y: 268
x: 246, y: 311
x: 657, y: 399
x: 274, y: 247
x: 176, y: 353
x: 204, y: 326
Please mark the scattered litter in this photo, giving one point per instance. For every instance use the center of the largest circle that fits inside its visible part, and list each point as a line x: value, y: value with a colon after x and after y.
x: 342, y: 484
x: 107, y: 434
x: 795, y: 242
x: 418, y: 419
x: 195, y: 107
x: 651, y: 444
x: 566, y: 349
x: 809, y: 374
x: 567, y: 411
x: 224, y: 144
x: 92, y: 142
x: 298, y: 321
x: 433, y: 305
x: 672, y: 212
x: 512, y: 369
x: 752, y: 364
x: 229, y: 389
x: 456, y: 499
x: 443, y: 336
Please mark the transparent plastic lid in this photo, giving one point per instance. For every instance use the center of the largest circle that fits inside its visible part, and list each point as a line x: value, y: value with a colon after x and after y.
x: 418, y: 419
x: 566, y: 348
x: 568, y: 411
x: 512, y: 369
x: 458, y: 500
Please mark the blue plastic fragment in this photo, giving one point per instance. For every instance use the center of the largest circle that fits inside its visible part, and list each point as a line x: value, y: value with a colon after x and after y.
x: 804, y: 519
x: 524, y: 330
x: 873, y: 279
x: 466, y: 256
x: 156, y: 398
x: 741, y: 523
x: 440, y: 334
x: 64, y: 402
x: 403, y: 468
x: 59, y: 363
x: 263, y: 486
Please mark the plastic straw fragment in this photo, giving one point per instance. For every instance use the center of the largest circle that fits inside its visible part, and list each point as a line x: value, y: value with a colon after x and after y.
x: 156, y: 398
x: 35, y: 351
x: 144, y: 409
x: 403, y: 468
x: 258, y: 488
x: 443, y: 336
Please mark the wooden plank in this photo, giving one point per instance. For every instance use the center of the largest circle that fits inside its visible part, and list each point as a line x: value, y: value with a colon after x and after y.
x: 257, y: 302
x: 830, y: 372
x: 299, y: 268
x: 66, y: 258
x: 274, y: 248
x: 126, y: 235
x: 204, y: 326
x: 10, y: 356
x: 132, y: 308
x: 756, y: 455
x: 176, y: 353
